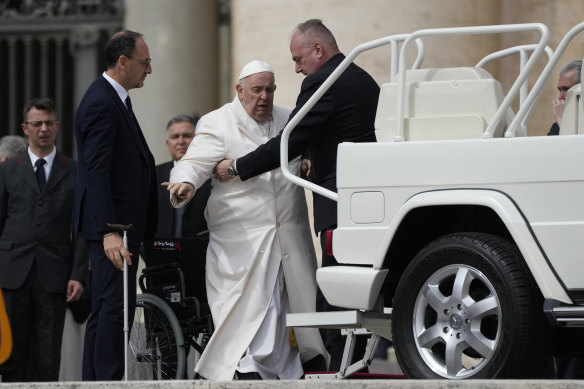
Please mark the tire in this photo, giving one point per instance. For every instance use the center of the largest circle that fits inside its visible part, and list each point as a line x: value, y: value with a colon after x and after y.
x: 466, y: 307
x: 156, y: 348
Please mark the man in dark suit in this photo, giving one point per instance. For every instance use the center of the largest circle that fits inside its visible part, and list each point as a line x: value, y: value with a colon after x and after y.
x: 116, y: 183
x: 189, y: 220
x: 38, y: 272
x: 345, y: 113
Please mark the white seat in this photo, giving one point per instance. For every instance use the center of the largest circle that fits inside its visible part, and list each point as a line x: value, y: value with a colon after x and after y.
x: 443, y: 103
x: 572, y: 120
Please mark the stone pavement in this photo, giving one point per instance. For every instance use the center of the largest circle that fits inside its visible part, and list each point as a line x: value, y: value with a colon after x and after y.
x: 308, y: 384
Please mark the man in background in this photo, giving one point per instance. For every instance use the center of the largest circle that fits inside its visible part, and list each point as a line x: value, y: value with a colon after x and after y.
x: 569, y: 76
x: 39, y: 272
x: 11, y: 146
x: 187, y: 221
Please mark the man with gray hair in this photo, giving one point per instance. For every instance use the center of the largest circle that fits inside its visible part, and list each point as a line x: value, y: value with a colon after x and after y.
x: 11, y: 146
x: 260, y: 259
x: 569, y: 76
x: 189, y: 220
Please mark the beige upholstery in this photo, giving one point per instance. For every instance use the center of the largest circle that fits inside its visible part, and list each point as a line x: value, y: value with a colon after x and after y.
x: 572, y: 116
x: 444, y: 103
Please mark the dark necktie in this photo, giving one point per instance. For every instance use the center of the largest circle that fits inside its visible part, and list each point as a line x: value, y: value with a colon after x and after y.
x: 129, y: 104
x: 40, y: 173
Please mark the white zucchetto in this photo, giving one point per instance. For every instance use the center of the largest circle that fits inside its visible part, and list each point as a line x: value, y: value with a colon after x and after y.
x: 254, y: 67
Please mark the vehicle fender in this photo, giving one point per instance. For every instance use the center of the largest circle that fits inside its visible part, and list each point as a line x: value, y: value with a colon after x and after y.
x: 510, y: 215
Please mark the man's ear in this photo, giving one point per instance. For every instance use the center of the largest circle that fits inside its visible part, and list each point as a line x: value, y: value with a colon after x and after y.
x: 122, y: 60
x: 318, y: 50
x: 239, y: 89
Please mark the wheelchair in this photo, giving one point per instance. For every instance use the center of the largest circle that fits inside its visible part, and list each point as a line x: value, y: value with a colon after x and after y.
x: 172, y: 314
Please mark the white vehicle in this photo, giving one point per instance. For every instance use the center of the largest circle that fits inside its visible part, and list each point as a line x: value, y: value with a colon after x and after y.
x: 466, y: 248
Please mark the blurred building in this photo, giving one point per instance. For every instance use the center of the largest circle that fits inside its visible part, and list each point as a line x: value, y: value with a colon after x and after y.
x: 54, y: 48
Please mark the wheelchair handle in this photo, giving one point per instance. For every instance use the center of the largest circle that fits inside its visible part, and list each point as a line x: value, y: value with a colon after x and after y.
x: 120, y: 227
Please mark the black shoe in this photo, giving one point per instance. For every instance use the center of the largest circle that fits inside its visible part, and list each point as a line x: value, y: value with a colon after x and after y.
x: 252, y: 375
x: 315, y: 365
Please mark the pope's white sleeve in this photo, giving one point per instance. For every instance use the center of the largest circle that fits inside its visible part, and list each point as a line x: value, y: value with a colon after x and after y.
x: 196, y: 166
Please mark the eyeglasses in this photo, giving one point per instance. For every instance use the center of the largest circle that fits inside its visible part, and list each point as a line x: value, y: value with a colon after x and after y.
x: 145, y: 62
x: 38, y: 124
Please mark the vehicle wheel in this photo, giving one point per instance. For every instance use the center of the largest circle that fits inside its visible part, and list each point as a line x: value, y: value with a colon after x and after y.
x: 466, y: 307
x: 156, y: 348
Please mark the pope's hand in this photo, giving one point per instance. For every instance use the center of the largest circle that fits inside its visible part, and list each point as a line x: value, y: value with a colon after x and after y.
x: 183, y: 191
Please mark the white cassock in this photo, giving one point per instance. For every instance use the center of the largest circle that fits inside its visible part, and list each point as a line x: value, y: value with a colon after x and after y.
x: 260, y: 250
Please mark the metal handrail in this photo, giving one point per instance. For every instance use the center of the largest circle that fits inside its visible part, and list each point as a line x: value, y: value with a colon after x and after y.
x: 533, y: 97
x: 391, y: 39
x: 523, y: 56
x: 501, y: 111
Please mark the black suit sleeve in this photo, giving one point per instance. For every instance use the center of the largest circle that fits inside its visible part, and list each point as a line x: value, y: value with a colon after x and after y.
x: 80, y: 264
x: 267, y: 156
x: 554, y: 130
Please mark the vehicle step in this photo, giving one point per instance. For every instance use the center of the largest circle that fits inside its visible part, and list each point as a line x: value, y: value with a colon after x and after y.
x: 373, y: 321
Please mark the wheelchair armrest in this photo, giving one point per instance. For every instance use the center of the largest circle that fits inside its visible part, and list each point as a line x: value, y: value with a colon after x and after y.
x: 173, y: 267
x: 162, y: 267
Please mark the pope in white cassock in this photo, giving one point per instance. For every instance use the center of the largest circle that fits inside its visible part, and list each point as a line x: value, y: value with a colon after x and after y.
x: 260, y: 259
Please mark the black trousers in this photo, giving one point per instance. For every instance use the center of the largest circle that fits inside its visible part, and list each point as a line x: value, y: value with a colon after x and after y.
x: 37, y: 318
x: 103, y: 348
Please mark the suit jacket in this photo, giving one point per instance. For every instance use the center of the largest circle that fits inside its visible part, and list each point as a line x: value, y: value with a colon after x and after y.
x: 116, y: 180
x: 193, y: 220
x: 554, y: 129
x: 345, y: 113
x: 37, y: 225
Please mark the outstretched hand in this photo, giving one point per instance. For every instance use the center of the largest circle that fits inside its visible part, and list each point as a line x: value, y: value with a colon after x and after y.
x: 182, y: 191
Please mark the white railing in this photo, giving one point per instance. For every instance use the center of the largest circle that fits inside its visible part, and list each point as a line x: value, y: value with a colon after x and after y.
x: 524, y: 113
x: 523, y: 51
x: 527, y: 103
x: 393, y: 40
x: 521, y: 78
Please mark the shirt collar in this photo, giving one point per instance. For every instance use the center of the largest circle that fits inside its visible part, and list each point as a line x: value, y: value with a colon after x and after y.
x: 49, y: 158
x: 123, y: 93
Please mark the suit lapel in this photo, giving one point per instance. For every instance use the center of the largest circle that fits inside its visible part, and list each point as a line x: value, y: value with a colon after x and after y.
x: 58, y: 171
x: 131, y: 121
x: 25, y: 169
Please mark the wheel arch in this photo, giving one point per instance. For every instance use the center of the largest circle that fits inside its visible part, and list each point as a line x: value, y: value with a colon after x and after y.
x: 429, y: 215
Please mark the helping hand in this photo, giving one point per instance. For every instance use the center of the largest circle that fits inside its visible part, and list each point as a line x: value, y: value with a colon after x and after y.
x: 220, y: 170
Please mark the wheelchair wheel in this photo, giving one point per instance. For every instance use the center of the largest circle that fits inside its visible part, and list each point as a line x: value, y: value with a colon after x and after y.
x: 156, y: 348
